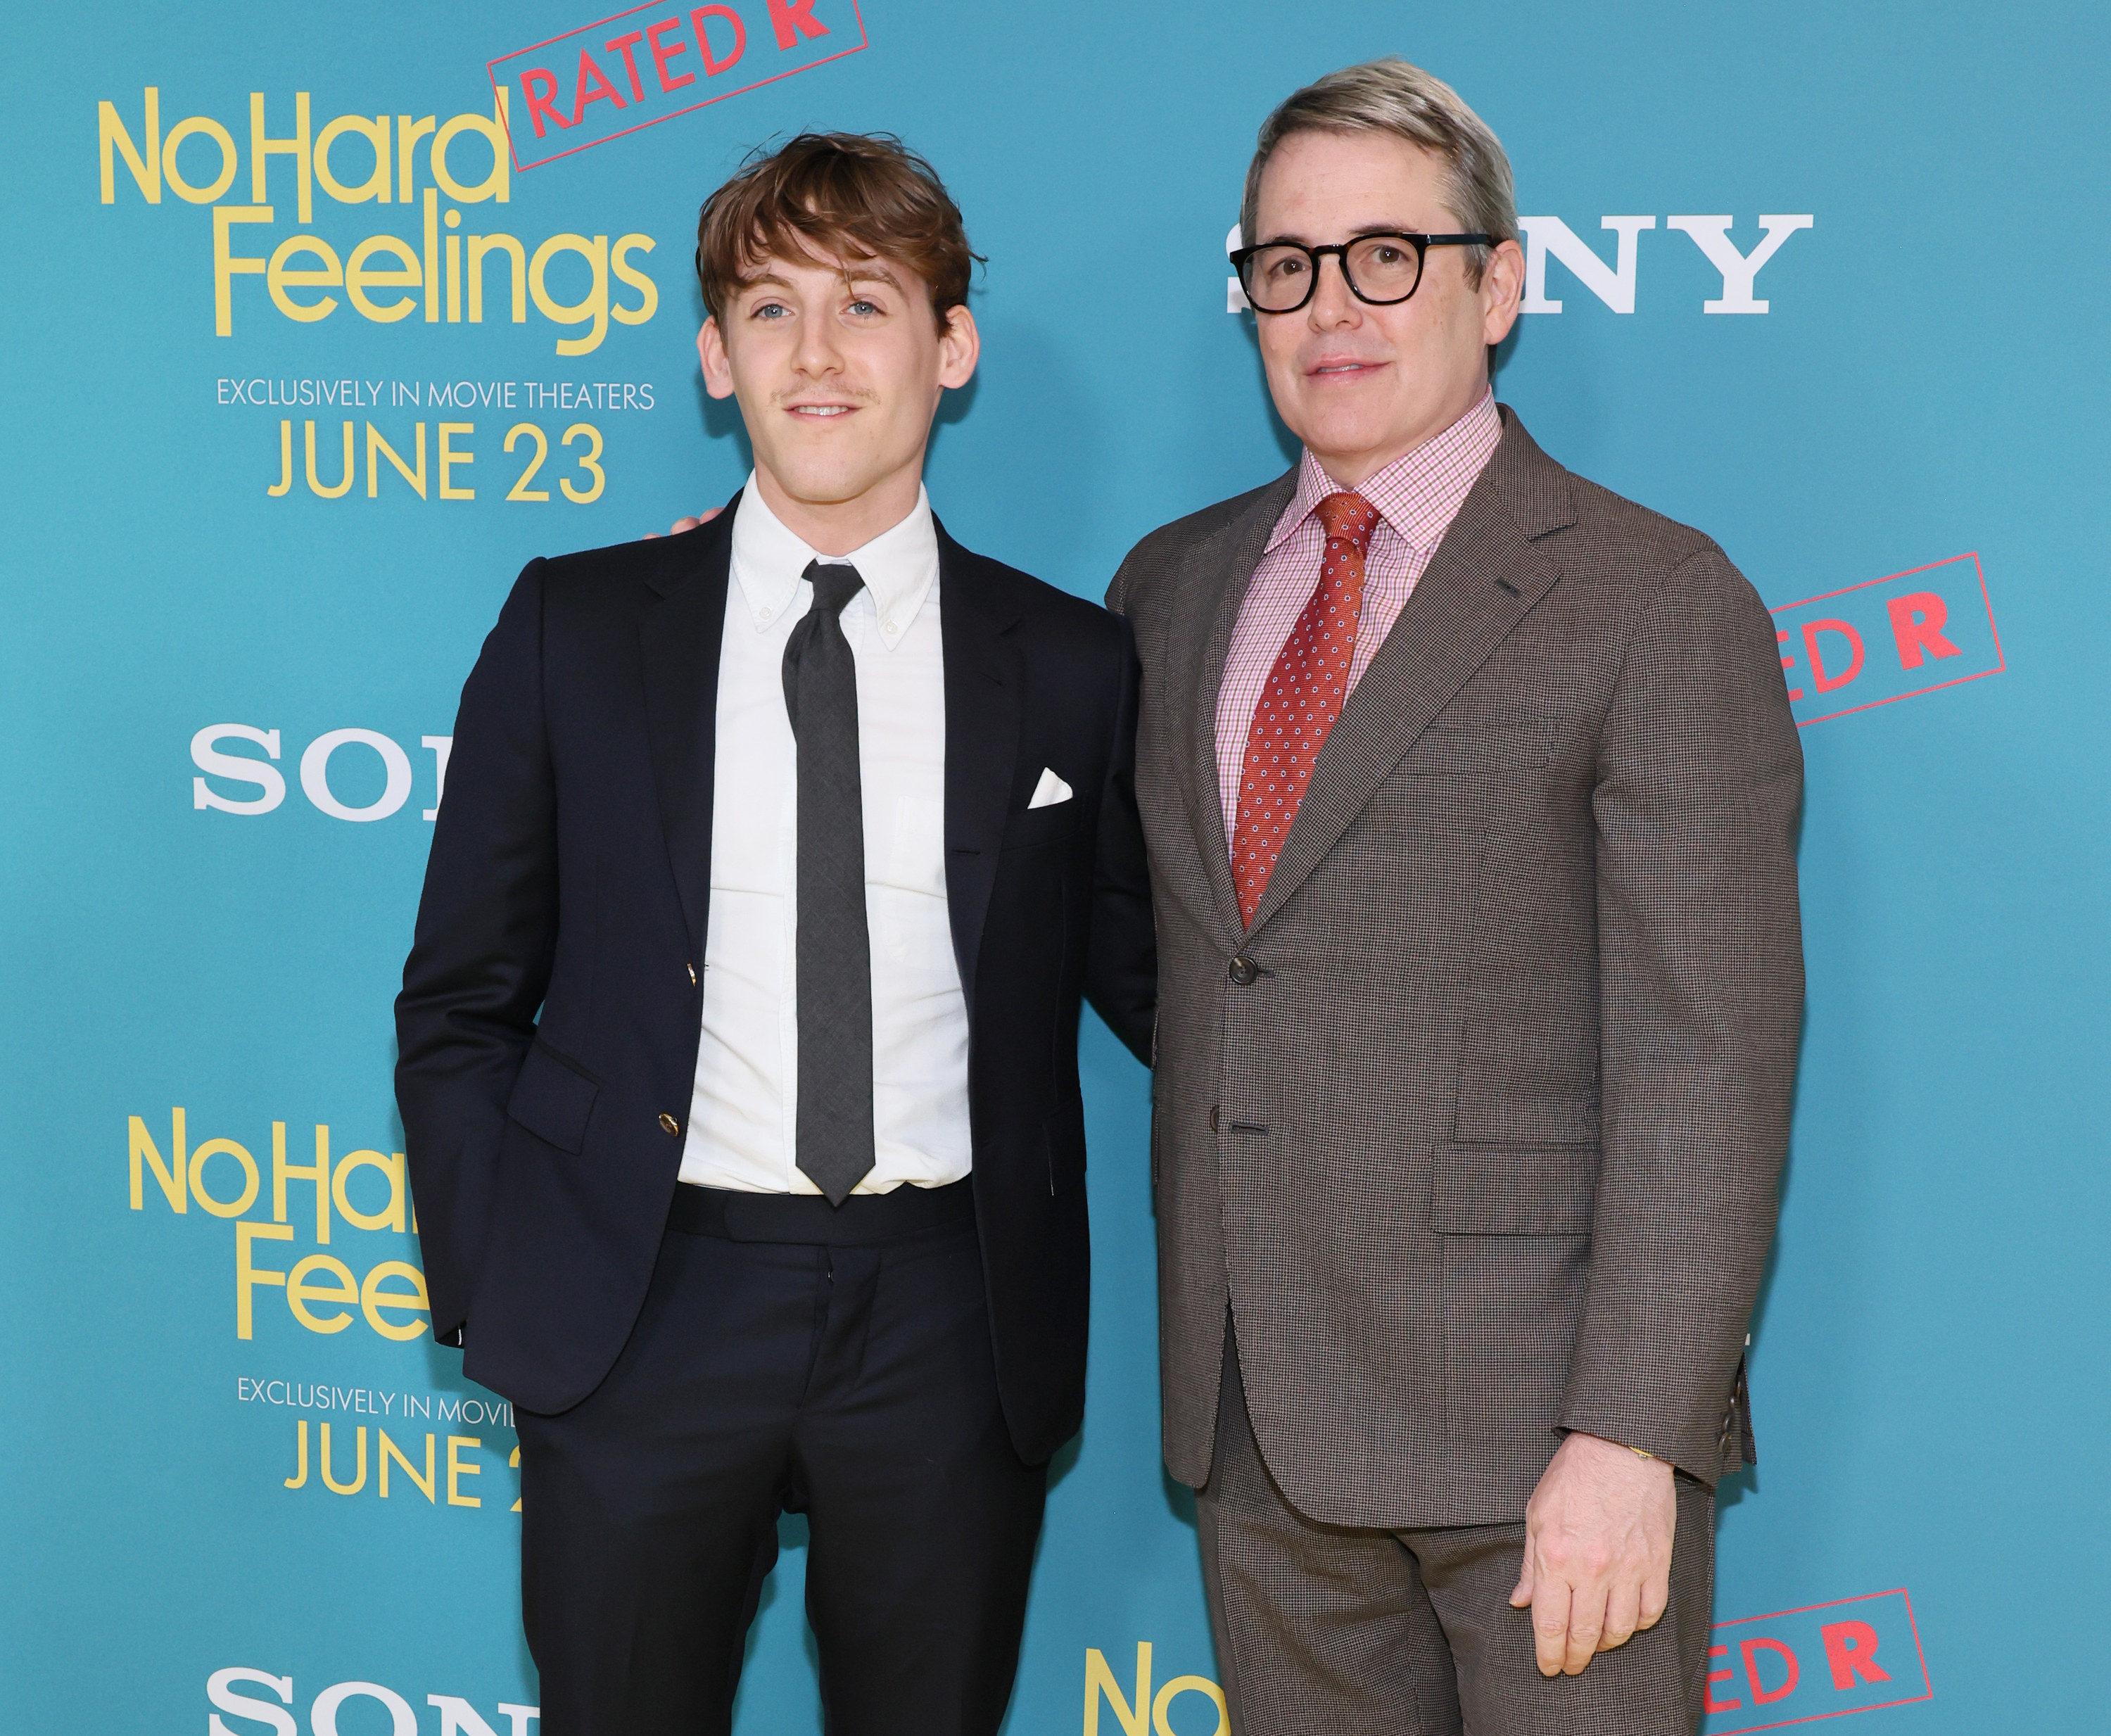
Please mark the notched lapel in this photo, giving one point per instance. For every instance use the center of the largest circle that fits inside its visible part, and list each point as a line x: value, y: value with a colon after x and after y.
x: 985, y: 695
x: 679, y: 639
x: 1485, y: 578
x: 1213, y: 589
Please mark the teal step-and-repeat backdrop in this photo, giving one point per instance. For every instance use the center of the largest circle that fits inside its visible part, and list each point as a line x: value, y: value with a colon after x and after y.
x: 321, y: 321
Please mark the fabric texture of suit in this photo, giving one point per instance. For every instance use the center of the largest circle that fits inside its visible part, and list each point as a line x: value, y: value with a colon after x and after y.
x: 1335, y: 1630
x: 1480, y: 1142
x: 548, y: 1023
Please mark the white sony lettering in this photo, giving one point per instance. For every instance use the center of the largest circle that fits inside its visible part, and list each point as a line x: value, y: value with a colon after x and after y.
x: 314, y: 774
x: 459, y: 1717
x: 219, y: 1690
x: 322, y: 1717
x: 243, y: 769
x: 1546, y: 238
x: 442, y: 746
x: 1613, y: 286
x: 1711, y: 234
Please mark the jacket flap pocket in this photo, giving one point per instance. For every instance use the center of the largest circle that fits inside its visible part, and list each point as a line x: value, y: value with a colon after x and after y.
x: 1481, y: 751
x: 1513, y: 1190
x: 552, y: 1100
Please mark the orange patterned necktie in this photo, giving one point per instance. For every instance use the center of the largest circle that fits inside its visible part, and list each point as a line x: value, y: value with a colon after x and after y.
x: 1302, y: 699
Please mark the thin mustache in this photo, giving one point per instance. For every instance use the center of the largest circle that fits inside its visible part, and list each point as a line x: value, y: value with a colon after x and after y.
x: 857, y: 394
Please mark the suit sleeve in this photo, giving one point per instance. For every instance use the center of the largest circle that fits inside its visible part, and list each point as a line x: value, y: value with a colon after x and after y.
x: 480, y: 958
x: 1121, y: 962
x: 1699, y: 783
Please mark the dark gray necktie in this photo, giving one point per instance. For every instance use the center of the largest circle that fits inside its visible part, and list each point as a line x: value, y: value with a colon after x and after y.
x: 834, y: 1144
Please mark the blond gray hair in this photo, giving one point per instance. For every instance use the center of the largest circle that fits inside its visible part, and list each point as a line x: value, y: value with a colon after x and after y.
x: 1391, y: 96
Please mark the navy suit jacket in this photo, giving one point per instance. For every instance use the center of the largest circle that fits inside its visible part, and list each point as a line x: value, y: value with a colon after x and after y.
x: 551, y: 1004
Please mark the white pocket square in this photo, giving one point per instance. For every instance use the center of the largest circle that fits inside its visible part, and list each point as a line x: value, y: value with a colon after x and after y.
x: 1050, y: 790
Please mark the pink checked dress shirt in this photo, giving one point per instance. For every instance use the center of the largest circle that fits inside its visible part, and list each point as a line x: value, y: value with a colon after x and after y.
x: 1417, y: 497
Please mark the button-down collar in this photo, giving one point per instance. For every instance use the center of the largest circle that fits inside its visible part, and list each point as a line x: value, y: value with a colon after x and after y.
x: 1418, y: 494
x: 899, y: 565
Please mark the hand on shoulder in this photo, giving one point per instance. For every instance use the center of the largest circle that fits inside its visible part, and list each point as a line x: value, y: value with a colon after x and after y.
x: 681, y: 524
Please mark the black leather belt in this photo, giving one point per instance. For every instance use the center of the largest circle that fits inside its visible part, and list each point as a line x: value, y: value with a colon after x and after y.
x: 861, y: 1220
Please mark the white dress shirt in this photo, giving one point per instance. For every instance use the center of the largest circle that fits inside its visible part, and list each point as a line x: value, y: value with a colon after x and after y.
x: 744, y: 1112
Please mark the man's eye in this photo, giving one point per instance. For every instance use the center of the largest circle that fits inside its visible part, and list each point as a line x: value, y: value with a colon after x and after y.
x: 770, y: 310
x: 863, y: 307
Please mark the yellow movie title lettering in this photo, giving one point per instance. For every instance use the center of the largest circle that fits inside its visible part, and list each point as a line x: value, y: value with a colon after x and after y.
x: 367, y: 1190
x: 360, y: 159
x: 1143, y: 1715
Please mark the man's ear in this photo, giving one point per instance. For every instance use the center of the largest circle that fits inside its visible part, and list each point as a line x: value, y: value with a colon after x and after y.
x: 959, y: 346
x: 711, y: 352
x: 1502, y: 289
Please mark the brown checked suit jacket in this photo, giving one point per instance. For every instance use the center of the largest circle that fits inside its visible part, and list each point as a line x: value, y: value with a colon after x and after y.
x: 1485, y: 1145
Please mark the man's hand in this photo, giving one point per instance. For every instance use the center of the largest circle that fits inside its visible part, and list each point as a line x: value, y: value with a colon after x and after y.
x: 681, y: 524
x: 1597, y: 1552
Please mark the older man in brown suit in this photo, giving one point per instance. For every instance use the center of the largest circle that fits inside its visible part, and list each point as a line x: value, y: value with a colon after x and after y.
x: 1471, y: 792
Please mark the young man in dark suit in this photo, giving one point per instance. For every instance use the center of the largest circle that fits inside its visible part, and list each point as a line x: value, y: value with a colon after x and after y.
x: 738, y: 1040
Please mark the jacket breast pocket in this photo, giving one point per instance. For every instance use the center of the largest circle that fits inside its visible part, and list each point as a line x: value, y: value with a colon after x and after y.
x: 1479, y: 751
x: 1041, y: 825
x: 553, y: 1100
x: 1513, y: 1190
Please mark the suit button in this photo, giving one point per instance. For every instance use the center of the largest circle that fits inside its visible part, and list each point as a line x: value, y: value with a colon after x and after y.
x: 1244, y: 971
x: 692, y: 976
x: 1212, y: 1118
x: 669, y: 1123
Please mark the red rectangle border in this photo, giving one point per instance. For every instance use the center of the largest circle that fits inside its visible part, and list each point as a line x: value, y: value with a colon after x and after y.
x: 490, y: 68
x: 1900, y: 1592
x: 1999, y: 666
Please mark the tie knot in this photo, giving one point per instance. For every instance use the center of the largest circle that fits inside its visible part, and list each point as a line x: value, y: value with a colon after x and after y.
x: 1348, y: 518
x: 834, y: 584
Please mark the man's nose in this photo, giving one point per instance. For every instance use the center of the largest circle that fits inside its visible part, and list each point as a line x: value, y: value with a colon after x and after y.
x: 816, y: 352
x: 1333, y: 300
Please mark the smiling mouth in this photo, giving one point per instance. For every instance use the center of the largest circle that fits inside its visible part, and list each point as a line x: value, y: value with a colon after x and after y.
x: 815, y: 411
x: 1332, y: 370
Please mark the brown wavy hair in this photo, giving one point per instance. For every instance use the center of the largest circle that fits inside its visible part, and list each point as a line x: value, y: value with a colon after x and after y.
x: 825, y: 196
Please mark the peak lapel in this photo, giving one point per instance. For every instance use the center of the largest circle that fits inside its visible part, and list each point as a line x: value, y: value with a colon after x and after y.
x: 985, y: 692
x: 1213, y: 587
x: 679, y: 639
x: 1485, y: 578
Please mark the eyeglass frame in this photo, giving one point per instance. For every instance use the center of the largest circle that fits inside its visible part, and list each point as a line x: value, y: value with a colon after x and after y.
x: 1340, y: 249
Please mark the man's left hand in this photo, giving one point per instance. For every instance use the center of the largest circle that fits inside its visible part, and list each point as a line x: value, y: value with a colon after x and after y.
x: 681, y: 524
x: 1597, y: 1552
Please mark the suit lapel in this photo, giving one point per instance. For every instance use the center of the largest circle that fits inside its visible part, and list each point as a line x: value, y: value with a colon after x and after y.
x: 1213, y: 589
x: 985, y: 694
x: 1486, y: 577
x: 679, y: 639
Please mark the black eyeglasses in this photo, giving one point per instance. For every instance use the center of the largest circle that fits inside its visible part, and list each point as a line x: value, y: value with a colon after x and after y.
x: 1382, y: 270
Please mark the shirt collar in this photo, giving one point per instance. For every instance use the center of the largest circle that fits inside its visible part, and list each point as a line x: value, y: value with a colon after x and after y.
x: 900, y: 566
x: 1418, y: 494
